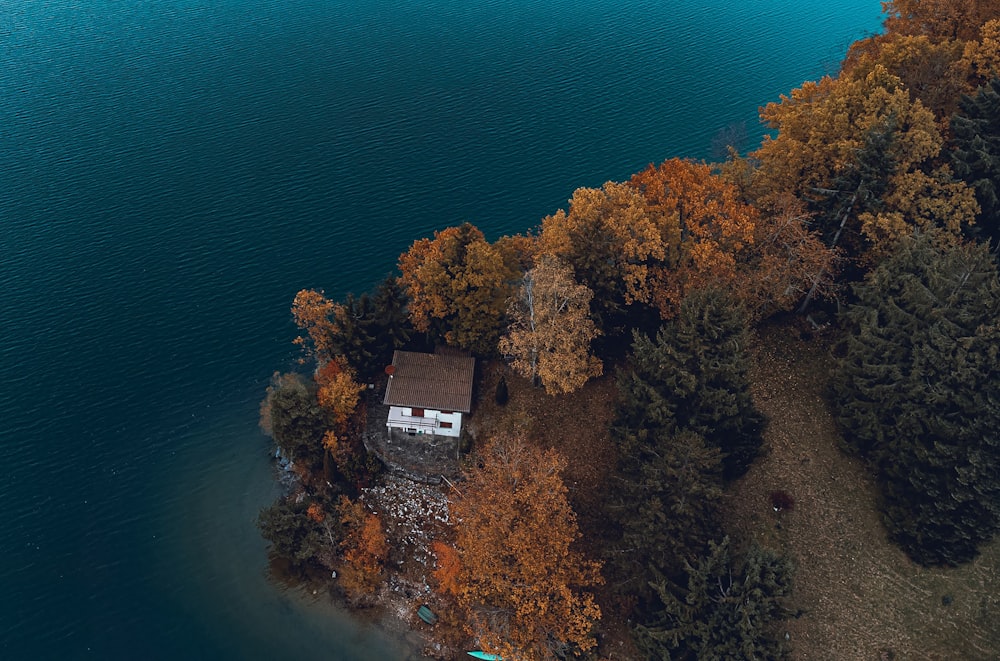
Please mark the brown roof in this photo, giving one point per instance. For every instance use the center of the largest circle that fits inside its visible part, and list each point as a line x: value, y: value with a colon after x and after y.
x: 431, y: 381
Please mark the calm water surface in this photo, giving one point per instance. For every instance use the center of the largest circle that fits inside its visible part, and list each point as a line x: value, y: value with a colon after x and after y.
x: 173, y: 171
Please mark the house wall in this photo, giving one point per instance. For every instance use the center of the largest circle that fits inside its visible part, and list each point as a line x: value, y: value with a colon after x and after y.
x: 426, y: 421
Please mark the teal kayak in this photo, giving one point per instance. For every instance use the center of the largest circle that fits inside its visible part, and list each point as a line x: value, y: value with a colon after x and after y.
x: 484, y: 655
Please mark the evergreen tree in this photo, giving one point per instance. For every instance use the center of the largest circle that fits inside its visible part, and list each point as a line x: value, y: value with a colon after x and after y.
x: 917, y: 389
x: 726, y: 611
x: 295, y: 419
x: 298, y: 531
x: 976, y: 155
x: 668, y: 510
x: 694, y: 377
x: 857, y: 188
x: 371, y: 327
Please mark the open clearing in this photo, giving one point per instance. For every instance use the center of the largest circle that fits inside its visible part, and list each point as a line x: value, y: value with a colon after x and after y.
x: 862, y: 597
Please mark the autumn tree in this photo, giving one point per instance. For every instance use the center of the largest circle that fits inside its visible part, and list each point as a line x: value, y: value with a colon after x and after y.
x: 364, y: 547
x: 551, y: 329
x: 726, y: 610
x: 522, y: 583
x: 933, y: 71
x: 714, y: 238
x: 939, y: 19
x: 860, y: 153
x: 981, y: 59
x: 458, y: 286
x: 609, y: 237
x: 337, y: 391
x: 917, y: 388
x: 314, y: 313
x: 704, y: 225
x: 976, y: 155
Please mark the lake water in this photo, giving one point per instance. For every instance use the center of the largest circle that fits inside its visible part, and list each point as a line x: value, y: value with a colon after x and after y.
x: 173, y: 171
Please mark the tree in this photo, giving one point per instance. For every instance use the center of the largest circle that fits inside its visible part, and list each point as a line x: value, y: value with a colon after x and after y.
x: 705, y: 226
x: 294, y: 418
x: 981, y: 59
x: 521, y: 582
x: 314, y: 313
x: 939, y: 19
x: 551, y: 329
x: 364, y: 547
x: 726, y: 611
x: 337, y: 392
x: 609, y: 238
x: 976, y: 156
x: 931, y: 70
x: 363, y: 330
x: 458, y: 286
x: 860, y: 153
x: 298, y: 531
x: 693, y: 376
x: 667, y: 508
x: 917, y: 387
x: 714, y: 238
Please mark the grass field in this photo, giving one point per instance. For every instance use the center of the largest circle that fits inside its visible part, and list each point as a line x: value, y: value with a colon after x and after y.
x: 861, y: 597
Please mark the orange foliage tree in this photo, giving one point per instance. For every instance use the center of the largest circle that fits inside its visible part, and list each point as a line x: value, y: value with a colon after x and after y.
x: 316, y: 315
x: 364, y: 547
x: 522, y: 584
x: 767, y: 259
x: 551, y: 329
x: 458, y: 286
x: 449, y: 565
x: 337, y: 392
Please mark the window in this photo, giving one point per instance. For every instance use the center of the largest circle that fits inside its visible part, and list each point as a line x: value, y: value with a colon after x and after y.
x: 417, y: 413
x: 444, y: 425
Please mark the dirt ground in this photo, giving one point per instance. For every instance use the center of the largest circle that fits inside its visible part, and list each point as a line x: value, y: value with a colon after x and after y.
x: 862, y: 597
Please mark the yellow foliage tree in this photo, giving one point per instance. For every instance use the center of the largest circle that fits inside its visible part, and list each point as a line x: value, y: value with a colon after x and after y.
x: 609, y: 238
x: 932, y: 71
x: 551, y: 329
x: 337, y: 390
x: 981, y: 59
x: 826, y: 130
x: 939, y: 19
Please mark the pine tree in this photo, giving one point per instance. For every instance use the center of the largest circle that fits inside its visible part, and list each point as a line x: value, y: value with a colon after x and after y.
x: 726, y: 611
x: 685, y: 422
x: 694, y: 377
x: 917, y: 387
x: 668, y: 510
x: 976, y: 155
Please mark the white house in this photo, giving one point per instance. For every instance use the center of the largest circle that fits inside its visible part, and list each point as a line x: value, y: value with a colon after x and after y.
x: 429, y: 392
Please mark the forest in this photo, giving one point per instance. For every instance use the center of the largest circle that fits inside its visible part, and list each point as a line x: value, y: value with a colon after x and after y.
x: 747, y: 409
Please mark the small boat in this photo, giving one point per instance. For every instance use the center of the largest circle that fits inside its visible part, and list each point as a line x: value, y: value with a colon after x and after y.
x: 483, y: 655
x: 426, y: 615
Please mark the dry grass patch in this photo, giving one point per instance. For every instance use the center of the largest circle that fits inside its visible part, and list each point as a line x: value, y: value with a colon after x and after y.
x: 861, y: 597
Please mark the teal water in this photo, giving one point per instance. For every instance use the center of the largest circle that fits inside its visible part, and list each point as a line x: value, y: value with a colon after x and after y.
x: 173, y: 171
